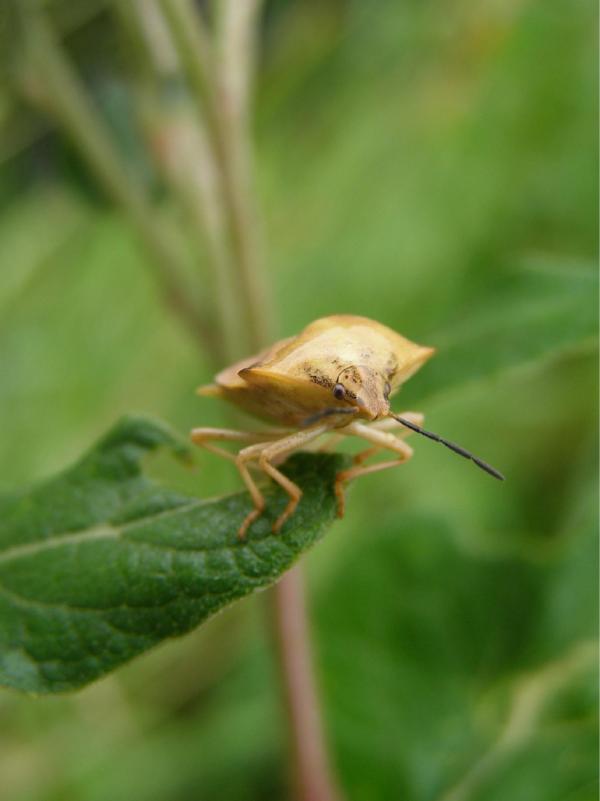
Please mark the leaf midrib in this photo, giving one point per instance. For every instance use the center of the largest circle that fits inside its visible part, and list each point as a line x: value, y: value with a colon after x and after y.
x: 98, y: 532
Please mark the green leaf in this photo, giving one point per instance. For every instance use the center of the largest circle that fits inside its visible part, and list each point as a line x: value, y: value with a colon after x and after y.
x: 529, y: 315
x: 465, y: 673
x: 100, y: 563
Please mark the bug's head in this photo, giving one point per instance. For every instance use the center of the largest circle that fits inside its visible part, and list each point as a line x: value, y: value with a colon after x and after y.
x: 364, y: 389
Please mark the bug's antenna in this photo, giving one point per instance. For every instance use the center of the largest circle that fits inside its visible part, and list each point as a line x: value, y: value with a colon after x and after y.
x: 453, y: 447
x: 314, y: 418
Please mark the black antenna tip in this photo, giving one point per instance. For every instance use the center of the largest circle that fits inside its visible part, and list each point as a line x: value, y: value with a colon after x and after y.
x: 489, y: 469
x: 452, y: 446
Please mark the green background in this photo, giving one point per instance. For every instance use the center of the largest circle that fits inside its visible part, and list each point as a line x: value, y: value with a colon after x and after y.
x: 430, y: 165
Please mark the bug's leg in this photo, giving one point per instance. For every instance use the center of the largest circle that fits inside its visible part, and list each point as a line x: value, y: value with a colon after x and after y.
x: 389, y: 424
x: 241, y: 461
x: 362, y: 456
x: 293, y: 490
x: 279, y: 450
x: 385, y: 424
x: 382, y: 440
x: 342, y: 479
x: 203, y: 436
x: 330, y: 442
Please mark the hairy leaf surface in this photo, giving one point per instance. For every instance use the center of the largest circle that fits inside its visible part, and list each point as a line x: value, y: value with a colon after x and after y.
x: 100, y: 563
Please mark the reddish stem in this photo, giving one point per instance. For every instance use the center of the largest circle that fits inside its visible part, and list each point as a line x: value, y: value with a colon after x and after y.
x: 313, y: 779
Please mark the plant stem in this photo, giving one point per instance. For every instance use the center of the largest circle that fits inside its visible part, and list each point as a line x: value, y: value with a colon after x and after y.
x: 234, y: 62
x: 313, y: 779
x: 66, y: 97
x: 178, y: 142
x: 235, y: 57
x: 220, y: 79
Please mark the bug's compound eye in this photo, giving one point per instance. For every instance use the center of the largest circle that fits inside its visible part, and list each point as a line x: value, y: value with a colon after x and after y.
x: 339, y: 393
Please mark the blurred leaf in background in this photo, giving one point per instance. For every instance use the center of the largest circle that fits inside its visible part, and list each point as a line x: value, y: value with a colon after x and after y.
x: 433, y: 168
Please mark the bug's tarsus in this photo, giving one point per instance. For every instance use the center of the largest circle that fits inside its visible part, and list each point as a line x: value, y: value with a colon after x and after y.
x: 314, y: 418
x: 452, y: 445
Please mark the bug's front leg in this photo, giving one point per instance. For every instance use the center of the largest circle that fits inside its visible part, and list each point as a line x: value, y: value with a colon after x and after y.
x: 386, y: 424
x: 204, y: 437
x: 389, y: 424
x: 241, y: 461
x: 381, y: 440
x: 266, y: 453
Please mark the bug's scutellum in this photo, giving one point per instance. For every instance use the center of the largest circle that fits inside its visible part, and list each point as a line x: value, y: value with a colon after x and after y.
x: 333, y: 380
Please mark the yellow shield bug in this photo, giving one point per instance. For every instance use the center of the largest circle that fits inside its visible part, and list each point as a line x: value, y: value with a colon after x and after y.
x: 334, y: 379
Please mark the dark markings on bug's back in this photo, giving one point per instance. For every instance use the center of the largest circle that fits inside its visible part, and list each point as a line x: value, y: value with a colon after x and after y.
x: 317, y: 376
x: 321, y: 380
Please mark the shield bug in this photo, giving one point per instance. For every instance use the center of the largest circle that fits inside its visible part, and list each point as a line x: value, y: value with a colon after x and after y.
x: 334, y: 379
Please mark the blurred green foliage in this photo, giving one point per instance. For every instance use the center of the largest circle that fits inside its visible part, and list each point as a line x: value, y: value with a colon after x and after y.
x: 429, y: 166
